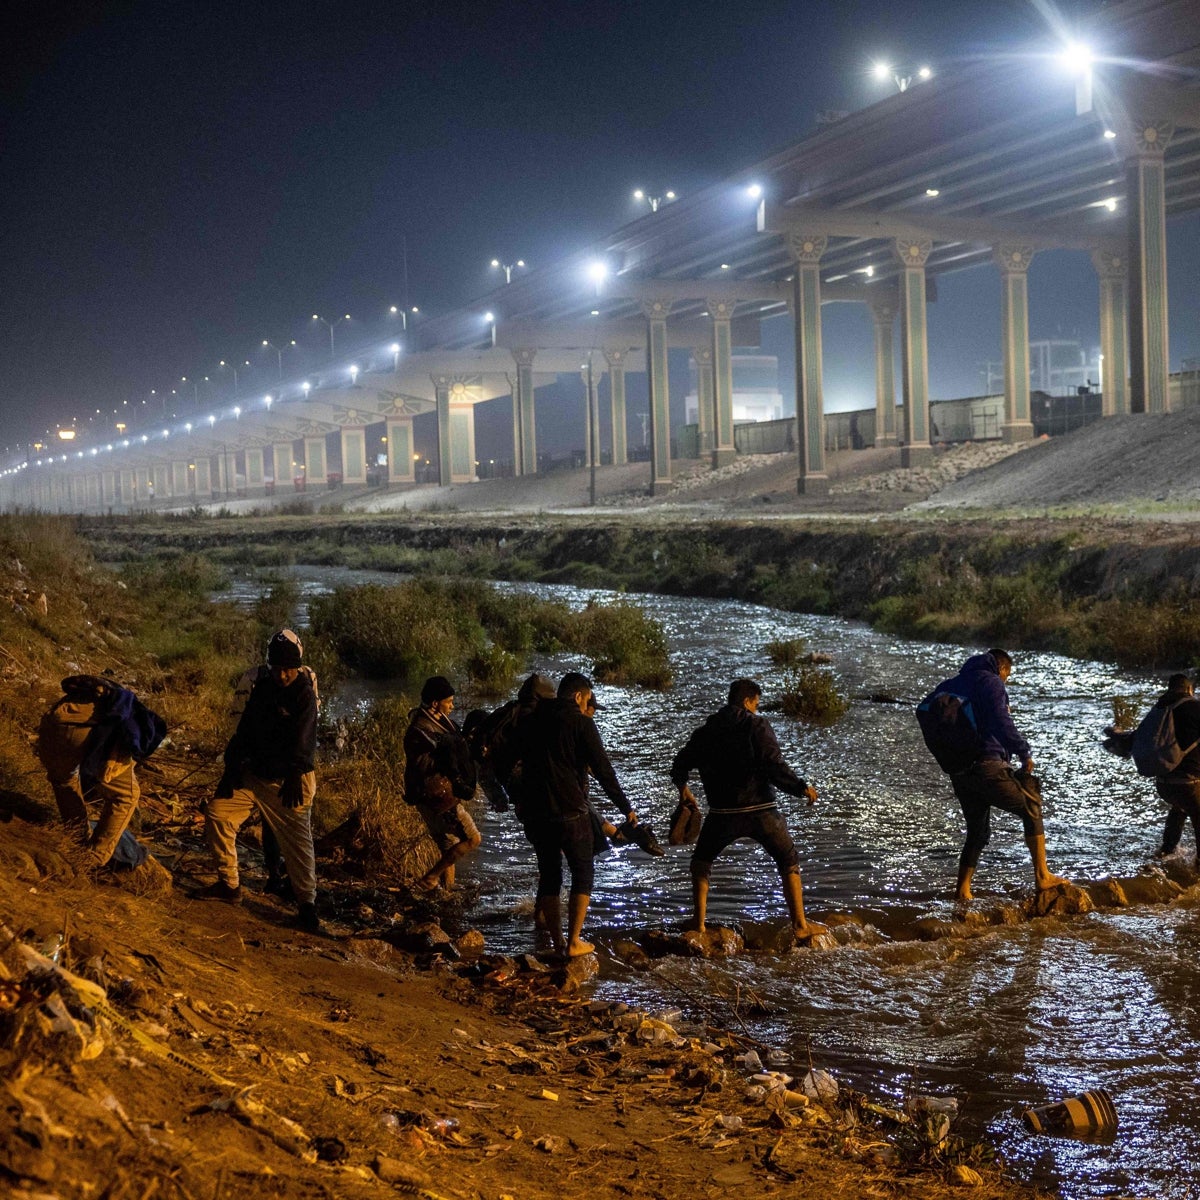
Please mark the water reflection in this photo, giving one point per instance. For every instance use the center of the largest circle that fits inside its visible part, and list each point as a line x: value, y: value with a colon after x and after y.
x: 1018, y: 1016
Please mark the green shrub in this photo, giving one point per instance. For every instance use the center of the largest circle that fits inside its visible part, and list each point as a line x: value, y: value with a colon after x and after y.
x: 787, y: 653
x: 811, y: 694
x: 624, y: 643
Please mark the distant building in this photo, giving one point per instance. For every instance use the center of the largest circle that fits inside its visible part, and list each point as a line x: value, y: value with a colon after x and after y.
x: 1057, y: 366
x: 756, y: 394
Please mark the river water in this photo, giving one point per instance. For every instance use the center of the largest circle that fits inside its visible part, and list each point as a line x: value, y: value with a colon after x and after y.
x: 1021, y: 1015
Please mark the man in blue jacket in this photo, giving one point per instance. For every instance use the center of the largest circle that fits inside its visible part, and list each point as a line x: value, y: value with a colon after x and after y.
x: 990, y: 782
x: 740, y: 766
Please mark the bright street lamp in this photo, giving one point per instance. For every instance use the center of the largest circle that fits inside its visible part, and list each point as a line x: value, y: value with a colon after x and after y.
x: 394, y: 311
x: 226, y: 365
x: 267, y: 400
x: 901, y: 76
x: 654, y: 201
x: 395, y: 349
x: 306, y: 387
x: 328, y: 325
x: 279, y: 352
x: 597, y: 272
x: 354, y: 375
x: 490, y: 319
x: 508, y: 268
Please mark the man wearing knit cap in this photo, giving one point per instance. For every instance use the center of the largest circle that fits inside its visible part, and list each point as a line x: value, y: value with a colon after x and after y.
x: 269, y: 763
x: 439, y: 773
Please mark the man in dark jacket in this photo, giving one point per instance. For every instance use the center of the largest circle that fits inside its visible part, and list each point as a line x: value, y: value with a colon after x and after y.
x: 269, y: 764
x: 438, y: 775
x: 557, y: 745
x: 740, y: 766
x: 1181, y: 788
x: 990, y: 782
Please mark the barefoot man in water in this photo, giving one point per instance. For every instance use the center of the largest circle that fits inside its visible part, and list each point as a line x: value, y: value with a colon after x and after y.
x: 989, y: 782
x: 558, y: 744
x: 740, y: 766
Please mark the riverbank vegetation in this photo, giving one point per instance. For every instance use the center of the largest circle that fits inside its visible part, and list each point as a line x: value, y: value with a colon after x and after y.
x: 1120, y: 593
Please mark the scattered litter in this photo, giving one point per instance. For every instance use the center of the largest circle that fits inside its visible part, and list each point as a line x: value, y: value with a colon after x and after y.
x: 820, y: 1086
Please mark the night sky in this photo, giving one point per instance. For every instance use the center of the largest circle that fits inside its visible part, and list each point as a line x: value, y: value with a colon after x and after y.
x: 182, y: 181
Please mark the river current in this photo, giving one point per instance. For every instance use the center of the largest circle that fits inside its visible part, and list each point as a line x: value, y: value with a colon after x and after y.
x: 1022, y: 1015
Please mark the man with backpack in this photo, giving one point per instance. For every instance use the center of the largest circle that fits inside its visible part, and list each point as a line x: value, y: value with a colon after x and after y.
x: 1166, y: 747
x: 89, y: 741
x: 967, y: 726
x: 439, y: 773
x: 269, y: 765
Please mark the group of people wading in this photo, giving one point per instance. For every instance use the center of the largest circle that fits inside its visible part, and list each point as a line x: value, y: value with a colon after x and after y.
x: 539, y: 753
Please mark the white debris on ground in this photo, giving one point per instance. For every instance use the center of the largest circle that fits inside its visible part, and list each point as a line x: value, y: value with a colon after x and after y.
x: 944, y: 469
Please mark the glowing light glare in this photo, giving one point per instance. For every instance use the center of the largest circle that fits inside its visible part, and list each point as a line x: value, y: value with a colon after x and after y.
x: 924, y: 73
x: 1111, y: 204
x: 1109, y: 134
x: 597, y: 272
x: 395, y: 348
x: 1076, y: 57
x: 66, y: 435
x: 306, y: 387
x: 188, y: 427
x: 495, y: 263
x: 755, y: 191
x: 487, y: 316
x: 267, y: 400
x: 237, y: 412
x: 933, y: 191
x: 211, y: 421
x: 881, y: 70
x: 639, y: 194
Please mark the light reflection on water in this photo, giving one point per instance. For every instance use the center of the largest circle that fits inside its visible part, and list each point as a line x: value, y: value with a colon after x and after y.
x: 1022, y: 1015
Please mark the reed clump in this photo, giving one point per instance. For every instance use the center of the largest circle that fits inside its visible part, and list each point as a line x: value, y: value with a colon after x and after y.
x: 811, y: 694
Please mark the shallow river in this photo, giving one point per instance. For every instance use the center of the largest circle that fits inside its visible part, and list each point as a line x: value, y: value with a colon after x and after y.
x: 1022, y: 1015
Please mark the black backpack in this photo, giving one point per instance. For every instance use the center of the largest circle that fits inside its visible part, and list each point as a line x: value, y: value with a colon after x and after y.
x: 1155, y: 748
x: 950, y: 731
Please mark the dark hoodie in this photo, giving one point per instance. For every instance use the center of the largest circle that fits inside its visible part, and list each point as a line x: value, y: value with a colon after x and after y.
x: 739, y: 761
x: 979, y: 682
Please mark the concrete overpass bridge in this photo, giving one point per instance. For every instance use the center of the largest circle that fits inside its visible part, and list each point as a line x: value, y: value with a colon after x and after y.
x: 992, y: 164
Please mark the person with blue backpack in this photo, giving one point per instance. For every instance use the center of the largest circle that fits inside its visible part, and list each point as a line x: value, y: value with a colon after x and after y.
x: 1166, y: 747
x: 967, y: 726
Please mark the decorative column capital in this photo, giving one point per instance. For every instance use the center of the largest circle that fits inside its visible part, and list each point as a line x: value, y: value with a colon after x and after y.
x: 615, y: 356
x: 1152, y: 137
x: 1012, y: 258
x: 524, y: 356
x: 911, y: 252
x: 1110, y: 264
x: 806, y: 247
x: 703, y: 355
x: 656, y: 310
x: 721, y: 310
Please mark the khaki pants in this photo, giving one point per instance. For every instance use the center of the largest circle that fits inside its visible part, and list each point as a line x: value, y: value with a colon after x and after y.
x: 61, y: 739
x: 292, y: 828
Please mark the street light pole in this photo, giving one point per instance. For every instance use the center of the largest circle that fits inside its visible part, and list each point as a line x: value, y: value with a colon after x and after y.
x: 508, y: 268
x: 654, y: 201
x: 328, y: 325
x: 279, y: 352
x: 902, y: 77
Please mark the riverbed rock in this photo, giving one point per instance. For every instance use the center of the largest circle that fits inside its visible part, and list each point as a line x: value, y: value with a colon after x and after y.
x: 715, y: 942
x: 572, y: 974
x: 1151, y: 887
x: 631, y: 954
x: 1067, y: 899
x: 1107, y: 893
x: 470, y: 944
x: 420, y: 939
x: 772, y: 936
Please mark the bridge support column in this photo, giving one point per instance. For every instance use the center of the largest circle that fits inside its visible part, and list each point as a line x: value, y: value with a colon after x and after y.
x: 203, y: 477
x: 254, y: 469
x: 524, y: 422
x: 615, y: 357
x: 316, y: 468
x: 705, y: 413
x: 1145, y: 188
x: 1114, y: 319
x: 354, y: 456
x: 179, y: 479
x: 401, y: 461
x: 283, y: 464
x: 657, y: 373
x: 723, y: 451
x: 883, y: 314
x: 93, y: 492
x: 1013, y: 261
x: 914, y: 351
x: 455, y: 431
x: 162, y: 482
x: 810, y: 404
